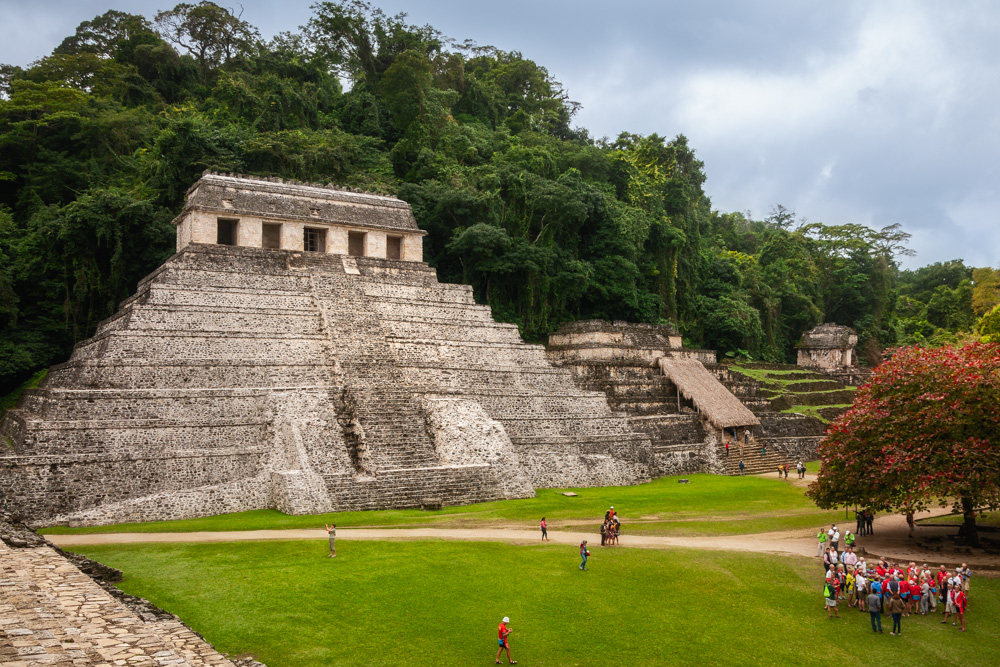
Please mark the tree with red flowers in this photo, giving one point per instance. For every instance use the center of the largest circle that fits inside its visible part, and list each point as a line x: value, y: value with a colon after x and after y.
x: 925, y: 429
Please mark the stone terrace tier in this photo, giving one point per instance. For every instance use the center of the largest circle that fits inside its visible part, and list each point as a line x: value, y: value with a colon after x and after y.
x: 239, y: 378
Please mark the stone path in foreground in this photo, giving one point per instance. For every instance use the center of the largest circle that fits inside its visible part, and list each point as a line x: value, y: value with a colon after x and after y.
x: 53, y: 614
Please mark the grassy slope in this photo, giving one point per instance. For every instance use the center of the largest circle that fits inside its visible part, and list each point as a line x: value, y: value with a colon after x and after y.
x: 722, y: 505
x: 439, y: 603
x: 780, y: 384
x: 10, y: 400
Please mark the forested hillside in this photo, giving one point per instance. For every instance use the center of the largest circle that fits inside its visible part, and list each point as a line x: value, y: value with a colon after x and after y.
x: 100, y: 139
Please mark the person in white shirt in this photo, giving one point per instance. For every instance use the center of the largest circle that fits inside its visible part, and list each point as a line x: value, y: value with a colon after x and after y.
x: 861, y: 586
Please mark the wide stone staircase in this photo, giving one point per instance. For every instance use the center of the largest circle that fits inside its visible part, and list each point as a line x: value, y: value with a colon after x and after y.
x: 753, y: 461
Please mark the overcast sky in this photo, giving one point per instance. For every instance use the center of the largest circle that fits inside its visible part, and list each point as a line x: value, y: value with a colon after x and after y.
x: 845, y: 112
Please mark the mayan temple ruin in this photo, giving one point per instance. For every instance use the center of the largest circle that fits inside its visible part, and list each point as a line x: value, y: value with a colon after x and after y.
x: 296, y: 353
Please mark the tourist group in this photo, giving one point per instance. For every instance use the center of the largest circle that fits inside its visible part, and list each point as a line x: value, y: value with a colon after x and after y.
x: 889, y: 587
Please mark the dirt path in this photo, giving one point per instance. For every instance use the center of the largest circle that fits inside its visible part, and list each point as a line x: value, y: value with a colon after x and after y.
x: 763, y: 542
x: 890, y: 539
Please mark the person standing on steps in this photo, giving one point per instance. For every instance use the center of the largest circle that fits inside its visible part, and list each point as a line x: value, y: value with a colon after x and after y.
x: 545, y: 532
x: 727, y: 449
x: 583, y: 554
x: 502, y: 633
x: 746, y: 436
x: 332, y: 532
x: 741, y: 466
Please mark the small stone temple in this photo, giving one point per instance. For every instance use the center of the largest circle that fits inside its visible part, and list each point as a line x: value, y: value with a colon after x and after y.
x: 297, y: 353
x: 828, y: 348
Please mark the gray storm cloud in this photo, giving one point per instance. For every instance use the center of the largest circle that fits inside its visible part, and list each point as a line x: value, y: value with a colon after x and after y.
x: 862, y: 112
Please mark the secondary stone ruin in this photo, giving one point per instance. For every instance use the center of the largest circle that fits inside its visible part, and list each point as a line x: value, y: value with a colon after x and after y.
x: 828, y: 348
x: 296, y: 353
x: 687, y: 404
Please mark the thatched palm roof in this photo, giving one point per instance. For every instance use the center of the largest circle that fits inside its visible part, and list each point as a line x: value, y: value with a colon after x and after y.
x: 708, y: 394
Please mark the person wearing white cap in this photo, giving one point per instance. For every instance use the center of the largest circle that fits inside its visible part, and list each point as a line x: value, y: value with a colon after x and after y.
x: 502, y: 632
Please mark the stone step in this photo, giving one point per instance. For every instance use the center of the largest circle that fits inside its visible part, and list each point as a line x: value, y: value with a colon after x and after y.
x: 126, y: 374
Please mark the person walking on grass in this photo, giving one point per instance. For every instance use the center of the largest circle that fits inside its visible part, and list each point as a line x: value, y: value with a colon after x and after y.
x: 332, y: 532
x: 896, y: 607
x: 545, y: 532
x: 502, y: 633
x: 874, y: 601
x: 583, y: 555
x: 830, y: 595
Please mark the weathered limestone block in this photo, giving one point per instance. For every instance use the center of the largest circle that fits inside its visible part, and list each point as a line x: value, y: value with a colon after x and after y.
x: 299, y: 492
x: 464, y: 434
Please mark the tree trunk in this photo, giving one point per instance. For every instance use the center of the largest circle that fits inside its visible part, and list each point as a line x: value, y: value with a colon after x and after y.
x: 969, y: 527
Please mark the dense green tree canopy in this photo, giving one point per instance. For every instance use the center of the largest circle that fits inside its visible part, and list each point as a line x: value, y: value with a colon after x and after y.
x: 100, y: 139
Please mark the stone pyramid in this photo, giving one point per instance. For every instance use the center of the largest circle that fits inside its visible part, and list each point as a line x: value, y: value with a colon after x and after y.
x: 295, y: 353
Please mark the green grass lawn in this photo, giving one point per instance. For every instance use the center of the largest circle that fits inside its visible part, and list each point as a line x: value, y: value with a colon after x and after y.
x: 738, y: 504
x: 813, y: 410
x: 435, y: 602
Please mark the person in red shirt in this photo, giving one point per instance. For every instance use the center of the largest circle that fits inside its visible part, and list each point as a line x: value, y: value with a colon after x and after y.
x: 960, y: 602
x: 941, y: 577
x: 502, y: 632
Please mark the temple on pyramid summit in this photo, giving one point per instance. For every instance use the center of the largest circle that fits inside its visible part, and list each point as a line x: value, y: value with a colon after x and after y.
x: 297, y: 353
